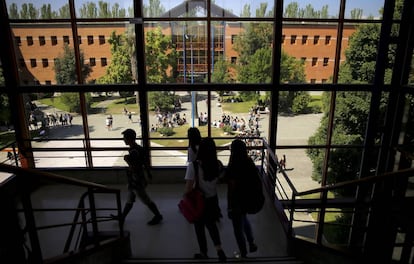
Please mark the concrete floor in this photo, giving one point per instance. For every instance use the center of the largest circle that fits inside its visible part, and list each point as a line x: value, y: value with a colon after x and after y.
x: 173, y: 238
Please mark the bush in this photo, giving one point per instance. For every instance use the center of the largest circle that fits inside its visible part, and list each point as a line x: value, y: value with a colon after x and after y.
x: 166, y: 131
x: 227, y: 129
x: 300, y: 103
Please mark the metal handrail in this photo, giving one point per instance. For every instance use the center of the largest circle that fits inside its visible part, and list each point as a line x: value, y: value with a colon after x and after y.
x: 22, y: 174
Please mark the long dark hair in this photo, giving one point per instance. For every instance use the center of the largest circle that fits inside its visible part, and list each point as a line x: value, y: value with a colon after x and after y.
x: 239, y: 162
x: 194, y: 138
x: 238, y: 152
x: 207, y: 156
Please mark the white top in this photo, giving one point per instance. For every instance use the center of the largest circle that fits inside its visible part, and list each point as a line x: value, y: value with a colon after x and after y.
x: 207, y: 187
x: 192, y: 155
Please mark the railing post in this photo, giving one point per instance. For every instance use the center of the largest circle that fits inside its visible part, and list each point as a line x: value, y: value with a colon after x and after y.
x: 36, y: 256
x: 119, y: 208
x: 292, y: 215
x: 92, y: 205
x: 321, y: 218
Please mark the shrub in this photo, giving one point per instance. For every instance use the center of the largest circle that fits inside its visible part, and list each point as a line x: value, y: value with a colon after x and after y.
x: 166, y: 131
x: 227, y: 129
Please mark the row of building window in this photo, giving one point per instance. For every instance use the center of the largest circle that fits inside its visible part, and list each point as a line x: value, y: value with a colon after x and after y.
x: 45, y: 62
x: 101, y: 38
x: 48, y: 82
x: 104, y: 62
x: 314, y: 61
x: 293, y: 38
x: 54, y: 40
x: 305, y: 39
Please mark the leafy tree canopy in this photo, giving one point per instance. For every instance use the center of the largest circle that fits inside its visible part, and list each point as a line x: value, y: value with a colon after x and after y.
x: 119, y: 70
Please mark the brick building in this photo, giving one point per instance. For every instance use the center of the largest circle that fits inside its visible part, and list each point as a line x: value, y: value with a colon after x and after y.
x: 40, y: 44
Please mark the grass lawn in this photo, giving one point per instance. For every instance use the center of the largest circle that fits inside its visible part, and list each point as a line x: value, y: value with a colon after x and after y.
x: 117, y: 106
x: 55, y: 102
x: 238, y: 107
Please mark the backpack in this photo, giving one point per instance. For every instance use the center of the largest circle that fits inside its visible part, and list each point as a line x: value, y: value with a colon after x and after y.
x: 253, y: 197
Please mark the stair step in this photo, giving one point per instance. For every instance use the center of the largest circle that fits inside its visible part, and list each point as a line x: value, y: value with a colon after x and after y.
x: 278, y: 260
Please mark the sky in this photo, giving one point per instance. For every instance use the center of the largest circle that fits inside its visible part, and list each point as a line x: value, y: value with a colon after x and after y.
x: 369, y: 7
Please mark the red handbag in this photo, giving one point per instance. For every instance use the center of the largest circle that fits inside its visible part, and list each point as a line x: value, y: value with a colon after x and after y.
x: 192, y: 204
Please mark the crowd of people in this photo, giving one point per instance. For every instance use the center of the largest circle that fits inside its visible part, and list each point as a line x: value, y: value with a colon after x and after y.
x: 168, y: 119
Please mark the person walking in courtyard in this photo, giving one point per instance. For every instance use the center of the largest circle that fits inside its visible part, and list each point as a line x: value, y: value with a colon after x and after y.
x: 137, y: 181
x: 239, y: 168
x: 206, y: 169
x: 108, y: 122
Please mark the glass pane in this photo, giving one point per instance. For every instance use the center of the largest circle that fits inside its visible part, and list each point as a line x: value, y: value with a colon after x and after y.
x: 301, y: 120
x: 308, y: 52
x: 2, y: 84
x: 64, y: 155
x: 37, y: 9
x: 45, y: 54
x: 411, y: 74
x: 103, y: 9
x: 350, y: 117
x: 360, y: 54
x: 176, y: 52
x: 336, y: 229
x: 299, y: 169
x: 107, y: 157
x: 247, y: 53
x: 111, y: 113
x: 365, y: 9
x: 344, y: 166
x: 170, y: 8
x: 311, y: 9
x: 104, y: 47
x: 244, y: 8
x: 9, y: 152
x: 240, y: 113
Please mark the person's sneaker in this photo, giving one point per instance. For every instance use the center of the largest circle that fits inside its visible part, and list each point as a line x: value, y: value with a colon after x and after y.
x: 155, y: 220
x: 200, y: 256
x: 221, y: 256
x: 252, y: 247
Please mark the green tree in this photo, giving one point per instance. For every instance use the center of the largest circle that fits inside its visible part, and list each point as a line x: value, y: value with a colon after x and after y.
x: 65, y: 67
x: 46, y: 12
x: 356, y: 13
x: 29, y: 11
x: 293, y: 10
x: 71, y: 100
x: 246, y: 11
x: 88, y: 10
x: 255, y: 62
x: 162, y: 100
x: 154, y: 9
x: 64, y: 11
x: 13, y: 11
x: 65, y: 73
x: 119, y: 71
x: 116, y: 11
x: 160, y: 56
x: 103, y: 11
x: 221, y: 73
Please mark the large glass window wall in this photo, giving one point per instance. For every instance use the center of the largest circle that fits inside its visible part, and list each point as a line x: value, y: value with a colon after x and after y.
x: 198, y: 67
